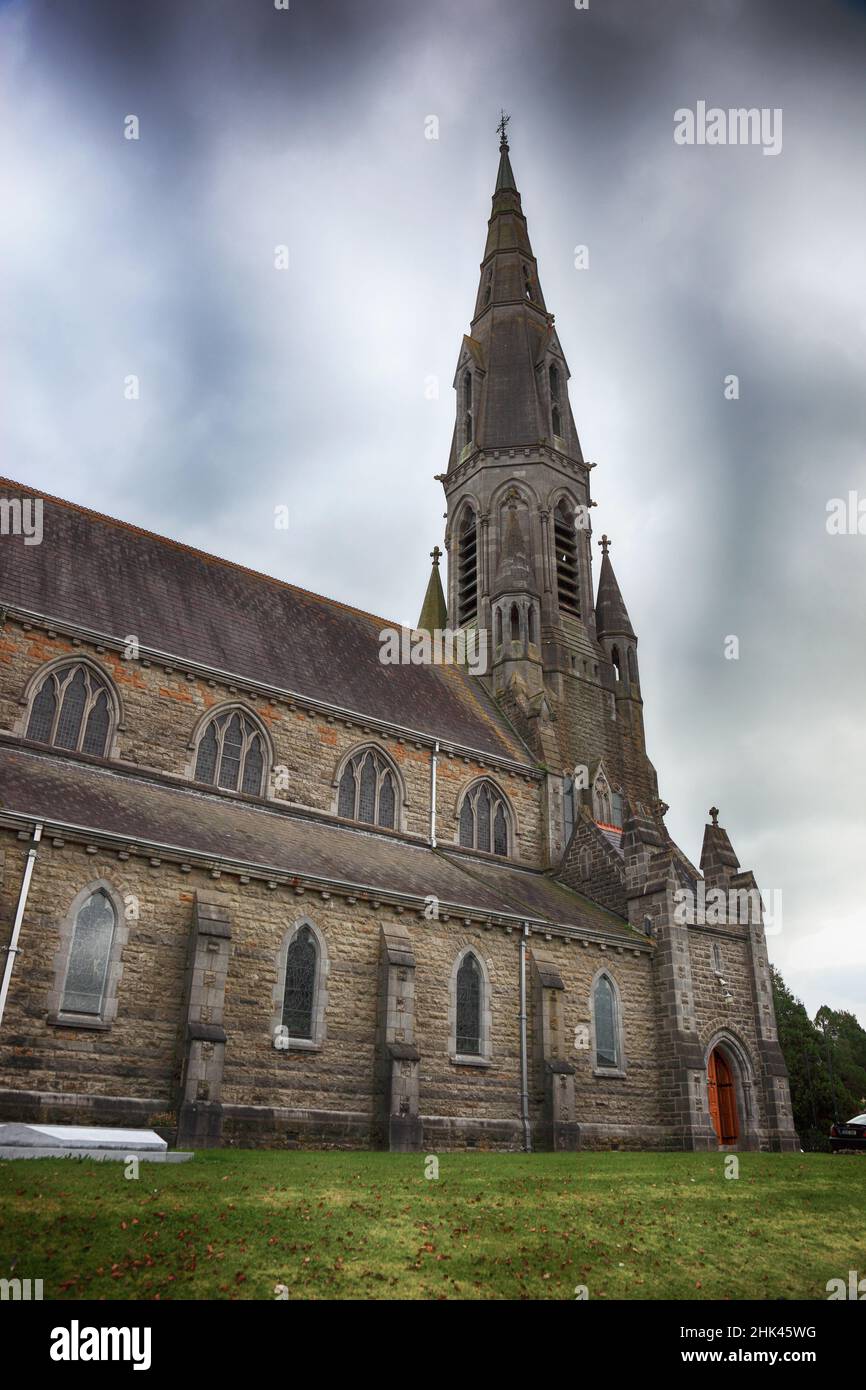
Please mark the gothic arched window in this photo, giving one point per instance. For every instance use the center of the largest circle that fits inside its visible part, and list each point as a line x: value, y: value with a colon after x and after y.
x: 565, y: 540
x: 302, y: 963
x: 231, y: 754
x: 72, y: 709
x: 469, y: 1002
x: 515, y: 623
x: 632, y: 666
x: 614, y: 656
x: 467, y: 569
x: 605, y: 1014
x: 527, y: 282
x: 484, y: 819
x: 89, y: 956
x: 368, y: 790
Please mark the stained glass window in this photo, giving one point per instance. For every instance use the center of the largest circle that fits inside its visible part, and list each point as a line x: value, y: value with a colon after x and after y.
x: 43, y: 712
x: 88, y: 959
x: 72, y: 710
x: 386, y: 801
x: 96, y: 729
x: 368, y: 790
x: 500, y: 832
x: 301, y: 965
x: 367, y: 800
x: 347, y: 793
x: 231, y: 754
x: 606, y: 1049
x: 467, y: 824
x: 484, y: 809
x: 205, y: 768
x: 469, y: 1007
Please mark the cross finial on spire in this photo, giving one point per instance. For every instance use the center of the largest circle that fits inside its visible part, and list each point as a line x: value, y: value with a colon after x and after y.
x: 714, y: 814
x: 503, y: 122
x: 605, y: 545
x: 435, y: 554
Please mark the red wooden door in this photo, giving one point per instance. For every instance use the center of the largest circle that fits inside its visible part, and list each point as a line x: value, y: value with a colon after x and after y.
x: 722, y: 1099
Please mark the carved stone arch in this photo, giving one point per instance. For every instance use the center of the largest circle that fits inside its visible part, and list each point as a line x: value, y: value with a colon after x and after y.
x: 401, y: 796
x: 526, y: 493
x: 559, y: 494
x: 620, y: 1067
x: 116, y: 711
x: 484, y: 1055
x: 229, y: 707
x: 746, y: 1078
x: 102, y: 1019
x: 468, y: 790
x: 467, y: 500
x: 601, y: 793
x: 320, y: 990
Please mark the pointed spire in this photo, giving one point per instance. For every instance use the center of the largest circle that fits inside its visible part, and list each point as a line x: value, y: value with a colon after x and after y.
x: 505, y: 177
x: 611, y: 614
x: 434, y: 612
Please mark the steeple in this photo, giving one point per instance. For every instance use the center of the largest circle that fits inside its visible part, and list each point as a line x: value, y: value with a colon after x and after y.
x: 434, y: 613
x: 611, y: 615
x: 511, y: 378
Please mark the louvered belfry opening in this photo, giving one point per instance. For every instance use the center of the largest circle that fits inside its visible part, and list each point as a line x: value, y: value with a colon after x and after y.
x: 565, y: 541
x: 467, y: 570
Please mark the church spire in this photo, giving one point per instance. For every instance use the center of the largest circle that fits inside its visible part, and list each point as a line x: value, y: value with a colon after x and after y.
x: 434, y: 614
x: 511, y: 378
x: 506, y: 173
x: 611, y: 614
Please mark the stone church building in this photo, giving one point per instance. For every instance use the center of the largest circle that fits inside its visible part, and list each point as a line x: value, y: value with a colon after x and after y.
x: 258, y: 887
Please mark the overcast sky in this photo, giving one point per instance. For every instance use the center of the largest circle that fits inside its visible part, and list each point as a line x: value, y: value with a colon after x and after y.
x: 309, y: 387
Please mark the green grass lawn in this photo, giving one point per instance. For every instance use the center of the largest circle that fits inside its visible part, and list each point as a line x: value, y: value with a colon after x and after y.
x: 232, y: 1224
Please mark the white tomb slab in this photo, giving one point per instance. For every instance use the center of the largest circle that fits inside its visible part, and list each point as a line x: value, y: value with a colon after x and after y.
x: 84, y: 1141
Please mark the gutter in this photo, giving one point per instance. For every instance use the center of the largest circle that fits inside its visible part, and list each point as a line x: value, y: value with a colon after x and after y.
x: 12, y: 948
x: 524, y: 1061
x: 433, y: 755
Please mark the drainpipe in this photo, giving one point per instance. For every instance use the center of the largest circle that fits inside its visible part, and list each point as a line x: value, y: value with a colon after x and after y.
x: 524, y: 1065
x: 433, y: 794
x: 12, y: 948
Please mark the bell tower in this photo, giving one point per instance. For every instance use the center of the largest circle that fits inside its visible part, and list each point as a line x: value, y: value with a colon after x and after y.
x: 518, y: 536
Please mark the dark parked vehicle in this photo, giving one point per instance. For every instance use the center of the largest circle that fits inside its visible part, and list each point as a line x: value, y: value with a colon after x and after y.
x: 851, y: 1135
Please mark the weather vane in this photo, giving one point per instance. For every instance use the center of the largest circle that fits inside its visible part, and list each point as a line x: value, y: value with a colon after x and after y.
x: 503, y: 122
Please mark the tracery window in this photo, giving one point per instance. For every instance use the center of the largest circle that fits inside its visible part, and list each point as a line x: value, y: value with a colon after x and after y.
x: 89, y: 956
x: 368, y: 790
x: 72, y: 709
x: 231, y: 754
x: 484, y: 819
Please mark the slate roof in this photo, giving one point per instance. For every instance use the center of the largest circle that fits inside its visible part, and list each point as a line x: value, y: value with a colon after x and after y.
x: 129, y: 806
x: 114, y: 579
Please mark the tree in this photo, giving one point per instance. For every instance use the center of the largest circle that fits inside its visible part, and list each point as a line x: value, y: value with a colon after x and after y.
x: 826, y: 1060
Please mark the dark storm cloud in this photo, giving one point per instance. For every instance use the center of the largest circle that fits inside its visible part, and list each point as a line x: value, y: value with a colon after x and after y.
x: 306, y: 128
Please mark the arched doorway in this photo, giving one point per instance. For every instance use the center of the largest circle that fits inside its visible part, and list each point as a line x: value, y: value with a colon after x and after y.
x: 722, y: 1096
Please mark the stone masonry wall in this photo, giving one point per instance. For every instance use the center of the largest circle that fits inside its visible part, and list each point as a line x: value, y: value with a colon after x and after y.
x: 128, y: 1073
x: 162, y: 710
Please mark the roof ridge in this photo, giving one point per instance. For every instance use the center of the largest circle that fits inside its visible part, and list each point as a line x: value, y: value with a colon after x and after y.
x: 201, y: 554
